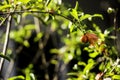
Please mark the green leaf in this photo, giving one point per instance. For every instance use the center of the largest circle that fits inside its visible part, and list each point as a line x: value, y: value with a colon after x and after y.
x: 4, y: 7
x: 98, y: 15
x: 89, y: 17
x: 38, y: 37
x: 1, y: 18
x: 20, y: 77
x: 76, y: 6
x: 32, y: 76
x: 24, y: 1
x: 71, y: 28
x: 78, y: 51
x: 29, y: 27
x: 93, y: 55
x: 54, y: 51
x: 28, y: 72
x: 86, y: 16
x: 74, y: 13
x: 89, y: 66
x: 109, y: 30
x: 19, y: 39
x: 101, y: 67
x: 26, y: 43
x: 40, y: 0
x: 116, y: 77
x: 81, y: 63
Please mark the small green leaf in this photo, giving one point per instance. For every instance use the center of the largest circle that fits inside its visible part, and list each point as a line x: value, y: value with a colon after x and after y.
x: 28, y: 72
x: 98, y: 15
x: 116, y: 77
x: 40, y: 0
x: 93, y: 55
x: 86, y: 16
x: 76, y: 6
x: 38, y: 37
x: 29, y: 27
x: 4, y: 7
x: 26, y: 43
x: 1, y: 18
x: 24, y: 1
x: 32, y: 76
x: 19, y: 39
x: 71, y: 28
x: 20, y: 77
x: 81, y: 63
x: 78, y: 51
x: 54, y: 51
x: 89, y: 66
x: 101, y: 67
x: 74, y: 13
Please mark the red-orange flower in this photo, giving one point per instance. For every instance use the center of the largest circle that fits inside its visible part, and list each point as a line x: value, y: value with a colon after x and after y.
x: 89, y: 37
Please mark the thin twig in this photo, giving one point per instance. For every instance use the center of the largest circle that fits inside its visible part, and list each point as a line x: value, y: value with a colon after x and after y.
x: 29, y: 11
x: 115, y: 26
x: 4, y: 20
x: 6, y: 40
x: 17, y: 12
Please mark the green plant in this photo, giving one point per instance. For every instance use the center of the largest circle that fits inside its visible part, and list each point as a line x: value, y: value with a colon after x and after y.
x: 95, y: 56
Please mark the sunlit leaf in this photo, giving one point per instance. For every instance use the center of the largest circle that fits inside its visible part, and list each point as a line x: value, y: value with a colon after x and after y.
x: 24, y: 1
x: 101, y: 67
x: 98, y: 15
x: 97, y: 28
x: 19, y: 39
x: 116, y: 77
x: 77, y: 5
x: 17, y: 78
x: 38, y: 37
x: 89, y: 66
x: 81, y: 63
x: 32, y: 76
x: 93, y: 55
x: 28, y: 72
x: 109, y: 30
x: 74, y: 13
x: 40, y: 0
x: 29, y: 27
x: 72, y: 28
x: 26, y: 43
x: 4, y: 7
x: 86, y: 16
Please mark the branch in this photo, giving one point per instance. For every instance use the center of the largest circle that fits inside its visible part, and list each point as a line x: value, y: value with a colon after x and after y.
x: 47, y: 12
x: 6, y: 40
x: 4, y: 19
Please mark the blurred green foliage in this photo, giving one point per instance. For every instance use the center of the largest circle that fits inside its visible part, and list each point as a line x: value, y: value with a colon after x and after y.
x: 101, y: 55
